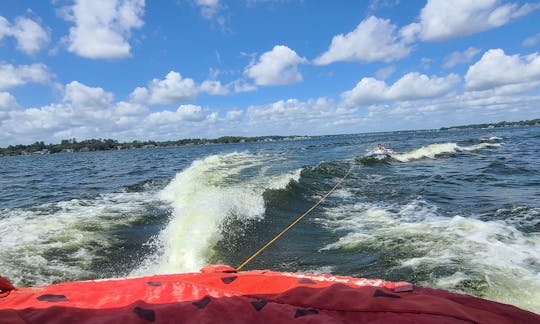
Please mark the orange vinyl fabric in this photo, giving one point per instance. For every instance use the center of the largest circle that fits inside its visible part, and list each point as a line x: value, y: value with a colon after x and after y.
x: 217, y: 294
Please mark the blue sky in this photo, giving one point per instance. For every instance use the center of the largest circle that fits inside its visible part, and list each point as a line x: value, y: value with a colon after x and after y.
x: 171, y: 69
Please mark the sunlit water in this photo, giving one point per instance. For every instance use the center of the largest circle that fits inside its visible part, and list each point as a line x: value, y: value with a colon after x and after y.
x: 458, y: 210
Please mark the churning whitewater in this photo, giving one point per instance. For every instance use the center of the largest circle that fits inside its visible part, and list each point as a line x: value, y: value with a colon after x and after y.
x: 457, y: 210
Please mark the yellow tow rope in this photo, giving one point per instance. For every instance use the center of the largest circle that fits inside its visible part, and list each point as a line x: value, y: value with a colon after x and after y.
x: 296, y: 221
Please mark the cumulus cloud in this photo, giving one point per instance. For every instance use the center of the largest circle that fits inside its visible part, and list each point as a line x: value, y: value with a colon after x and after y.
x: 30, y: 36
x: 102, y: 28
x: 7, y: 101
x: 90, y: 112
x: 191, y: 113
x: 276, y: 67
x: 374, y: 39
x: 411, y: 86
x: 496, y: 69
x: 13, y: 76
x: 456, y: 58
x: 171, y: 90
x: 82, y: 97
x: 442, y: 20
x: 320, y: 115
x: 233, y: 115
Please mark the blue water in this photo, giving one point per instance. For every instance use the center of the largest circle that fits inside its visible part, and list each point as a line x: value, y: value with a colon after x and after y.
x: 458, y: 210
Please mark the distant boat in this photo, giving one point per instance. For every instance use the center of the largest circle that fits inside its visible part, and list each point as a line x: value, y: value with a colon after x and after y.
x: 381, y: 150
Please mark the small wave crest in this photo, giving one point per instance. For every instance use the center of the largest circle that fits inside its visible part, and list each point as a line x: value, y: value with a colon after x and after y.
x: 433, y: 150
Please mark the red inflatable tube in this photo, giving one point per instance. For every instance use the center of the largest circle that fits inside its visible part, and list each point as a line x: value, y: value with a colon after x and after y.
x: 217, y: 294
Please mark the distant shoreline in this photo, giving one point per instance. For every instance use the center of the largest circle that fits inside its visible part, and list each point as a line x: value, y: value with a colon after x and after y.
x: 532, y: 122
x: 92, y: 145
x: 72, y: 145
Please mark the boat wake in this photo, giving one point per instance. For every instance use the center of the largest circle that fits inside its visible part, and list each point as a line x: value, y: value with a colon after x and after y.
x: 434, y: 150
x: 488, y: 258
x: 64, y: 241
x: 203, y: 197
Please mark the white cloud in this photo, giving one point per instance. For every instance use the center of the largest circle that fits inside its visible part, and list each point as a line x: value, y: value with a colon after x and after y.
x: 495, y: 69
x: 456, y: 58
x: 213, y: 87
x: 85, y: 98
x: 175, y: 89
x: 139, y: 95
x: 411, y: 86
x: 30, y: 36
x: 90, y: 112
x: 532, y: 41
x: 373, y: 40
x: 171, y: 90
x: 7, y: 102
x: 13, y: 76
x: 190, y: 113
x: 385, y: 72
x: 276, y: 67
x: 295, y: 117
x: 441, y: 20
x: 460, y: 109
x: 102, y: 28
x: 233, y: 115
x: 242, y: 86
x: 184, y: 113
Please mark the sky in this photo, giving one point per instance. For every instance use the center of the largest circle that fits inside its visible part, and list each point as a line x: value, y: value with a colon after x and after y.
x: 173, y: 69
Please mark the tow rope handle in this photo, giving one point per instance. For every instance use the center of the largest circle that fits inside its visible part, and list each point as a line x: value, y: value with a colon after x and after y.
x: 296, y: 221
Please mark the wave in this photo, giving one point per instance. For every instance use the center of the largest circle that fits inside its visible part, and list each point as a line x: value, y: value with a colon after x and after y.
x: 374, y: 160
x: 62, y: 241
x: 433, y: 150
x: 491, y: 139
x: 488, y: 258
x: 203, y: 197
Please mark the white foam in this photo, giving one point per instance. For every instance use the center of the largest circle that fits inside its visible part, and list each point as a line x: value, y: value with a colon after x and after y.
x: 433, y: 150
x: 493, y: 252
x: 76, y: 229
x: 429, y: 151
x: 202, y: 197
x: 479, y: 146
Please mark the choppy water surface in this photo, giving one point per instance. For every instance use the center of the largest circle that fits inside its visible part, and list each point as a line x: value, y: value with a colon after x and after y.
x: 458, y: 210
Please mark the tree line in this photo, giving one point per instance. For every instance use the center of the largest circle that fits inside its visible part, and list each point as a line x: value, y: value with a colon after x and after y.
x: 532, y: 122
x: 72, y: 145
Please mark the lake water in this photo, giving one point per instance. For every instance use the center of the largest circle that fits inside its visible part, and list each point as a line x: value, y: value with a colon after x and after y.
x: 458, y: 210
